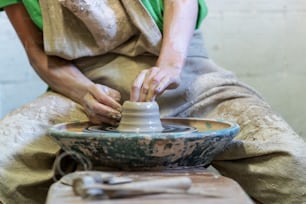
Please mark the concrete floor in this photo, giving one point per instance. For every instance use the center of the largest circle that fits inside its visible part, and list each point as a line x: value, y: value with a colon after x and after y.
x: 263, y: 42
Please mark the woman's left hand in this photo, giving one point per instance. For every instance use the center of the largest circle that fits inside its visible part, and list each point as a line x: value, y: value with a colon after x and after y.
x: 154, y: 81
x: 178, y: 28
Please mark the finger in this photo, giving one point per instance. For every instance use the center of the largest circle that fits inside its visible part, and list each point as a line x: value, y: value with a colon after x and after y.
x: 101, y: 92
x: 112, y: 93
x: 154, y: 84
x: 96, y: 119
x: 105, y: 111
x: 162, y: 85
x: 157, y: 88
x: 136, y: 87
x: 150, y: 78
x: 95, y: 109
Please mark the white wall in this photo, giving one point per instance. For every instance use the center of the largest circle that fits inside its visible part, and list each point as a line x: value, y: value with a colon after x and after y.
x: 264, y: 43
x: 18, y: 82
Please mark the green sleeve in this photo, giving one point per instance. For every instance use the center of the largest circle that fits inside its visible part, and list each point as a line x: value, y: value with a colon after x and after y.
x: 203, y: 10
x: 32, y: 6
x: 156, y: 8
x: 4, y: 3
x: 34, y: 11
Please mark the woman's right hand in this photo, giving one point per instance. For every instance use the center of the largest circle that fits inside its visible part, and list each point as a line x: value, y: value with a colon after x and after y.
x: 101, y: 104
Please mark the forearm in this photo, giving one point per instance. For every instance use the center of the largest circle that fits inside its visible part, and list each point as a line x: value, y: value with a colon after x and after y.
x: 100, y: 103
x: 179, y: 23
x: 59, y: 74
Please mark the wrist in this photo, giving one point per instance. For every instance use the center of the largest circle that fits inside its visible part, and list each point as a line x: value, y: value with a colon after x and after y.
x: 171, y: 56
x: 175, y: 63
x: 78, y: 91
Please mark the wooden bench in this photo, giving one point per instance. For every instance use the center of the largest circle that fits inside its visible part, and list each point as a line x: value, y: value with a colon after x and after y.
x: 219, y: 190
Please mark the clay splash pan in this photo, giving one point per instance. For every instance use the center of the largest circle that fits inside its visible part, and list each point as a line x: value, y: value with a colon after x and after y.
x: 184, y: 143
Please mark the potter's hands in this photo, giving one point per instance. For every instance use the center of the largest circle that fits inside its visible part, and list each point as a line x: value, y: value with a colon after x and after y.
x: 101, y: 104
x: 153, y: 82
x: 173, y: 53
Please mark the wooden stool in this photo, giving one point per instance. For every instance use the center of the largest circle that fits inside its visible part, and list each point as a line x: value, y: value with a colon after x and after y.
x: 223, y: 190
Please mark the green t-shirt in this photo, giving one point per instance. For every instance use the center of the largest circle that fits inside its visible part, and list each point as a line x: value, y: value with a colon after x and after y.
x: 154, y: 7
x: 32, y: 7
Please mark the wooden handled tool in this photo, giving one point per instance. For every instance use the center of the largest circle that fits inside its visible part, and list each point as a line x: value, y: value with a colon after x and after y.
x: 88, y: 187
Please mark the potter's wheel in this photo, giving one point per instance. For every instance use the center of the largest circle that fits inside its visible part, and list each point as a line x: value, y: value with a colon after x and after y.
x: 184, y: 142
x: 167, y: 128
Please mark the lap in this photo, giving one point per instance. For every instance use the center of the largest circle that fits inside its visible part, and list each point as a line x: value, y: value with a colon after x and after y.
x: 27, y: 151
x: 267, y: 157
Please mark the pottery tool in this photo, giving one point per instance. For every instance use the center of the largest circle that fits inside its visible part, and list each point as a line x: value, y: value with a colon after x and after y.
x: 83, y: 185
x: 87, y: 188
x: 119, y: 187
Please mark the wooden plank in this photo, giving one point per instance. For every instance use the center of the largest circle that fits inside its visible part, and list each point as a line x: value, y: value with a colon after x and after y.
x: 223, y: 190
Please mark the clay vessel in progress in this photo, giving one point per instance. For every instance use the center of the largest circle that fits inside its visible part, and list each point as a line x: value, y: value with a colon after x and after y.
x: 140, y: 117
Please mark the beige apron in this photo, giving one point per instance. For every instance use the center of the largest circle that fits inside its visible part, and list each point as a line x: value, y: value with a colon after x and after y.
x: 267, y: 158
x: 124, y: 54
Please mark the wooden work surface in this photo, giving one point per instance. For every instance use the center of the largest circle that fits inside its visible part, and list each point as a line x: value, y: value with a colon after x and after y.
x: 219, y: 190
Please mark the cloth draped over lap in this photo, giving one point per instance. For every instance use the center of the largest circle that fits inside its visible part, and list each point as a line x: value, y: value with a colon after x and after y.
x: 113, y: 46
